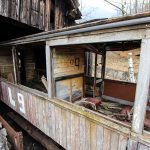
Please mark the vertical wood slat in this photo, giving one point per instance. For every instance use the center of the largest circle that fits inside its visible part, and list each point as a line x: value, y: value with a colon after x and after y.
x: 68, y: 130
x: 107, y: 138
x: 99, y: 138
x: 142, y: 88
x: 72, y: 137
x: 64, y: 129
x: 123, y: 140
x: 53, y: 122
x: 93, y: 136
x: 48, y: 14
x: 88, y: 135
x: 114, y: 141
x: 82, y: 133
x: 132, y: 145
x: 142, y: 147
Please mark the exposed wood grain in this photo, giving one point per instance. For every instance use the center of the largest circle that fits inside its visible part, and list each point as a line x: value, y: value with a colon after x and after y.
x: 64, y: 128
x: 123, y: 140
x: 82, y: 133
x: 68, y: 130
x: 100, y: 137
x: 88, y: 135
x: 142, y: 147
x: 132, y: 145
x: 93, y: 136
x: 107, y: 139
x: 114, y: 141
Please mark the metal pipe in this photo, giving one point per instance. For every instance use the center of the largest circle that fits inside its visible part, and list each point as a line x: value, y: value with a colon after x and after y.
x: 47, y: 35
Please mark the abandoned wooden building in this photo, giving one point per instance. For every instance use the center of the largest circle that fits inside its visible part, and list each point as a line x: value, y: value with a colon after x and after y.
x: 24, y: 17
x: 46, y: 79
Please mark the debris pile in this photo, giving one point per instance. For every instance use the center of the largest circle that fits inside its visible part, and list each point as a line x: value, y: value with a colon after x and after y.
x: 4, y: 144
x: 112, y: 109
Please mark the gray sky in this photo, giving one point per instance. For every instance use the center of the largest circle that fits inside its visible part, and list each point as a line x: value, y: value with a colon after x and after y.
x: 95, y: 9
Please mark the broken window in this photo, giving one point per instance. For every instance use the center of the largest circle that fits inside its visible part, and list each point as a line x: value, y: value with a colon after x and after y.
x: 32, y: 66
x: 122, y: 65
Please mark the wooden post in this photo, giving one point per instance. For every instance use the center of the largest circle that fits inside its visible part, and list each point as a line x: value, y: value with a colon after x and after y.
x: 142, y: 89
x: 49, y: 70
x: 15, y: 65
x: 103, y: 70
x: 95, y: 76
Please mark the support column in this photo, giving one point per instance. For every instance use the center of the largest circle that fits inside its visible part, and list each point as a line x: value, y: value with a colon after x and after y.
x: 142, y: 89
x: 49, y: 71
x: 15, y: 65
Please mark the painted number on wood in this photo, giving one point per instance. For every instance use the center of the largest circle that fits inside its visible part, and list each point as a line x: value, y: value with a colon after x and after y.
x: 20, y: 100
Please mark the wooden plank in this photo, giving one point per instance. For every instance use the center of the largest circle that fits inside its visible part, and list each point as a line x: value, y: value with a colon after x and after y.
x: 123, y: 142
x: 142, y: 90
x: 77, y: 131
x: 50, y: 121
x: 93, y: 136
x: 88, y: 135
x: 82, y: 133
x: 57, y: 124
x: 73, y: 137
x: 53, y: 122
x: 100, y: 137
x: 107, y: 138
x: 132, y: 145
x: 114, y: 141
x: 64, y: 128
x: 68, y: 130
x: 98, y: 38
x: 142, y: 147
x: 48, y: 14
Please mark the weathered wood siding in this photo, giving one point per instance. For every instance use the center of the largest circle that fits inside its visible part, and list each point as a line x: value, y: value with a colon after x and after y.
x: 6, y: 63
x: 73, y: 127
x: 31, y: 12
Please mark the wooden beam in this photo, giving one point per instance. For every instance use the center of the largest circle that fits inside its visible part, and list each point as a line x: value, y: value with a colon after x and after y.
x: 64, y: 37
x: 49, y: 71
x: 15, y: 65
x: 98, y: 37
x: 142, y: 89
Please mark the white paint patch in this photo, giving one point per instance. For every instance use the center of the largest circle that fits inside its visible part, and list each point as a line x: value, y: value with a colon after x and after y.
x: 21, y: 101
x: 12, y: 101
